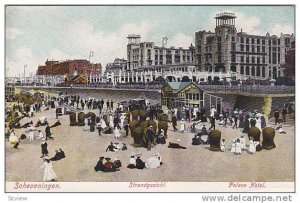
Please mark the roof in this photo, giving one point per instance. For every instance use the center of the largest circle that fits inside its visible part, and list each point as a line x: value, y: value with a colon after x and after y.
x: 178, y: 86
x: 78, y: 76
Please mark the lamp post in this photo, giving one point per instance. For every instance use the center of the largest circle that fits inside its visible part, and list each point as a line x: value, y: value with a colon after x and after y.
x: 25, y: 66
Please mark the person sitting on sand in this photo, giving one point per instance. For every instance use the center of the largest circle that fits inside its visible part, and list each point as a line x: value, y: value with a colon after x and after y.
x: 280, y: 129
x: 56, y: 156
x: 109, y: 166
x: 139, y: 163
x: 196, y: 140
x: 26, y: 125
x: 112, y: 148
x: 161, y: 138
x: 61, y: 153
x: 117, y: 163
x: 100, y: 166
x: 13, y: 139
x: 132, y: 161
x: 176, y: 145
x: 124, y: 147
x: 57, y: 123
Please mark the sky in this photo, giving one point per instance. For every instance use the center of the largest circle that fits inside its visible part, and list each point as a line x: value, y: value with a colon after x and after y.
x: 37, y: 33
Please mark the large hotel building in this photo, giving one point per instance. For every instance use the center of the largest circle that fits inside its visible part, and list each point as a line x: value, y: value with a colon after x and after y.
x: 226, y: 49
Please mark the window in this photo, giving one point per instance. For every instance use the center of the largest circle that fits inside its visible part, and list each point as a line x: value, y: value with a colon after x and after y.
x: 247, y: 59
x: 186, y: 96
x: 253, y: 49
x: 263, y: 71
x: 258, y: 71
x: 258, y: 60
x: 253, y: 59
x: 242, y: 59
x: 258, y: 49
x: 233, y: 57
x: 263, y: 41
x: 232, y: 38
x: 247, y: 70
x: 242, y: 40
x: 247, y: 47
x: 190, y: 96
x: 278, y: 41
x: 233, y: 47
x: 253, y: 41
x: 253, y: 71
x: 247, y: 40
x: 242, y: 70
x: 263, y: 59
x: 258, y: 41
x: 197, y: 97
x: 242, y: 47
x: 263, y: 49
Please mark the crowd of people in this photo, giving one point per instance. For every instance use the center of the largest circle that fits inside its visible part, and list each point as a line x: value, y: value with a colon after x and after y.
x: 111, y: 120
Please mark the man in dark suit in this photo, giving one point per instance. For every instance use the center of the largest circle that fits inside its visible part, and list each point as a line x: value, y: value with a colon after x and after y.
x: 48, y: 132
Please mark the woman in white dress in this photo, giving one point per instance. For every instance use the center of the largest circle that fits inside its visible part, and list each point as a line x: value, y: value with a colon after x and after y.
x: 223, y: 148
x: 233, y: 146
x: 252, y: 147
x: 111, y: 121
x: 182, y: 126
x: 258, y: 123
x: 243, y: 142
x: 117, y: 133
x: 49, y: 174
x: 122, y: 118
x: 238, y: 150
x: 153, y: 162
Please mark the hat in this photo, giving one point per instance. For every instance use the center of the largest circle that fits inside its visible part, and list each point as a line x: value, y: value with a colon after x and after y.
x: 101, y: 157
x: 138, y: 154
x: 150, y: 126
x: 178, y: 140
x: 107, y: 158
x: 116, y: 158
x: 133, y: 154
x: 242, y: 135
x: 157, y: 154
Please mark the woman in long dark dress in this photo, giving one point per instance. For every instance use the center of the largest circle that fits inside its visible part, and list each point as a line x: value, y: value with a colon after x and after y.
x: 246, y: 124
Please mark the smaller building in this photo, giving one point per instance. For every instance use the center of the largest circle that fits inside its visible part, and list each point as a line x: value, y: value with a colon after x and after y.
x: 179, y: 94
x: 76, y: 80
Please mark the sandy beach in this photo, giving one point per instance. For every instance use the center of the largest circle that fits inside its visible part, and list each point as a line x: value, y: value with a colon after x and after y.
x: 196, y: 163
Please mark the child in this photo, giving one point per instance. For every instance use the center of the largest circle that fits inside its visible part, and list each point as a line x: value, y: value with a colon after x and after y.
x: 117, y: 133
x: 182, y: 126
x: 223, y: 149
x: 252, y: 147
x: 243, y: 142
x: 233, y: 146
x: 238, y: 149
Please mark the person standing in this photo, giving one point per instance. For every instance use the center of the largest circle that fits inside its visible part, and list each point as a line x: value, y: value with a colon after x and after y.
x: 182, y: 126
x: 111, y: 104
x: 49, y: 174
x: 235, y: 122
x: 102, y: 103
x: 107, y: 104
x: 150, y: 137
x: 213, y: 123
x: 283, y: 113
x: 48, y: 132
x: 174, y: 122
x: 44, y: 148
x: 276, y: 116
x: 126, y: 125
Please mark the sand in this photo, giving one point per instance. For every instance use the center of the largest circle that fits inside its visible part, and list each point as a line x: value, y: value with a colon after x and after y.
x: 196, y: 163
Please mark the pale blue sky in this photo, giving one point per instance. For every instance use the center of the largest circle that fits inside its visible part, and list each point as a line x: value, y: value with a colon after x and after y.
x: 34, y: 34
